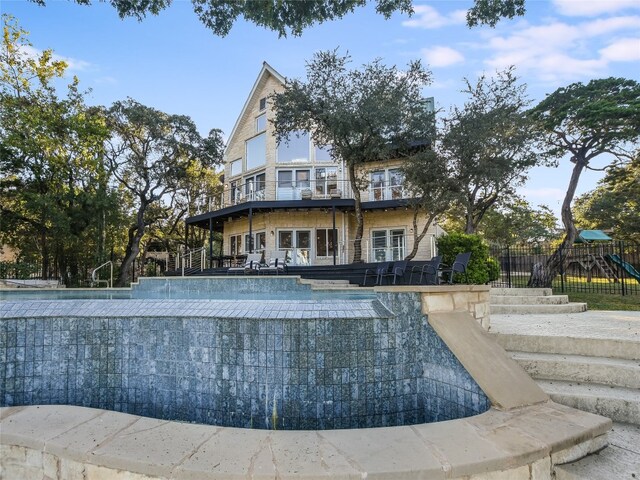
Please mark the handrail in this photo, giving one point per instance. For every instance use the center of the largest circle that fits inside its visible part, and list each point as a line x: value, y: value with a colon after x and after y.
x: 97, y: 280
x: 189, y: 253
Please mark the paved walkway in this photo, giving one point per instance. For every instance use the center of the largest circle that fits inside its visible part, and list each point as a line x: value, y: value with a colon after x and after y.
x: 621, y: 460
x: 597, y: 324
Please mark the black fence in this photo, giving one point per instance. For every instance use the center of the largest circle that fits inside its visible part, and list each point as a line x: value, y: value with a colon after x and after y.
x: 612, y: 268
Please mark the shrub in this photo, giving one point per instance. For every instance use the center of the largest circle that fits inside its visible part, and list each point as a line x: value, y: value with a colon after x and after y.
x: 493, y: 267
x: 478, y: 269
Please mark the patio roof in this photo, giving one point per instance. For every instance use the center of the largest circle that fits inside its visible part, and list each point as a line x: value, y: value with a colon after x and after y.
x: 588, y: 236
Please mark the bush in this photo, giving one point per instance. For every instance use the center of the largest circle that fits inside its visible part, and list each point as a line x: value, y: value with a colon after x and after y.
x: 19, y: 271
x: 493, y: 267
x: 478, y: 269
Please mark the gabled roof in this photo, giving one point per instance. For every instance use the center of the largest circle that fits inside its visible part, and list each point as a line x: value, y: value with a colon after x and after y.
x: 266, y: 69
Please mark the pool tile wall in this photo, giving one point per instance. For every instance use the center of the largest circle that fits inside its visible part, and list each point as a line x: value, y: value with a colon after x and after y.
x: 254, y: 364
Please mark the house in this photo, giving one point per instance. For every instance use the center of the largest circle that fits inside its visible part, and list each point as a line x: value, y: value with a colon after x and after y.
x: 296, y: 197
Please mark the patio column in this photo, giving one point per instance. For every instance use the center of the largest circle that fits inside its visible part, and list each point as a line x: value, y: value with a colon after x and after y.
x: 250, y: 229
x: 211, y: 243
x: 334, y: 234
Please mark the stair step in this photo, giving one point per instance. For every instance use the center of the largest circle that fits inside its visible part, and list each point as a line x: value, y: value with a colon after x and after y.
x: 529, y: 300
x: 536, y: 292
x: 580, y: 368
x: 537, y: 309
x: 619, y: 404
x: 597, y: 347
x: 620, y: 460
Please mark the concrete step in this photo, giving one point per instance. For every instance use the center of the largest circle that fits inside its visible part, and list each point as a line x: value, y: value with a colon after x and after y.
x: 570, y: 345
x: 318, y: 281
x: 529, y: 300
x: 619, y: 461
x: 536, y: 292
x: 539, y: 309
x: 617, y: 403
x: 580, y: 368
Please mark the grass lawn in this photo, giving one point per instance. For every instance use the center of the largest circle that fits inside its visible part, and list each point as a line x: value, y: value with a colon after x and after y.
x: 605, y: 301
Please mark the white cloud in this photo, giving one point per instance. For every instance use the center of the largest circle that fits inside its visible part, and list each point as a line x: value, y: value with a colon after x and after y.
x: 441, y: 56
x: 559, y: 51
x: 592, y: 8
x: 428, y: 17
x: 73, y: 64
x: 623, y: 50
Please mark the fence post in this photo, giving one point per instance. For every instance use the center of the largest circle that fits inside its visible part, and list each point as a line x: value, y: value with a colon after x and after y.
x: 561, y: 270
x: 622, y: 270
x: 509, y: 266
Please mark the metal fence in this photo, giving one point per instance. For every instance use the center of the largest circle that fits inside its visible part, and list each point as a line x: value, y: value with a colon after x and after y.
x: 612, y: 268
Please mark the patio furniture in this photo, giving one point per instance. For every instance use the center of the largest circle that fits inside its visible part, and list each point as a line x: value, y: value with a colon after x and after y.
x: 429, y: 271
x: 459, y: 265
x: 251, y: 265
x: 398, y: 270
x: 382, y: 269
x: 277, y: 263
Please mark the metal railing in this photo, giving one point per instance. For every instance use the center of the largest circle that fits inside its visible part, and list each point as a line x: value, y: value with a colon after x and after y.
x: 194, y: 259
x: 94, y: 278
x: 306, y: 190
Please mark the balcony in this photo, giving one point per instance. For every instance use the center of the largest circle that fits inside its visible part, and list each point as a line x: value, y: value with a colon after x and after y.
x: 306, y: 190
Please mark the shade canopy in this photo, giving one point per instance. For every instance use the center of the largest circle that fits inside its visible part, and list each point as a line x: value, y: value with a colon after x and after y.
x: 589, y: 236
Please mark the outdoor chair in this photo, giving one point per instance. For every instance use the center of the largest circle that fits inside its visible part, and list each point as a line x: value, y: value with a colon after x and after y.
x: 398, y: 270
x: 382, y: 269
x: 429, y: 271
x: 251, y: 265
x: 277, y: 263
x: 459, y: 265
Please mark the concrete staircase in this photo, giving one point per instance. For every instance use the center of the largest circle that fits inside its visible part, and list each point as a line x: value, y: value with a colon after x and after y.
x: 524, y: 301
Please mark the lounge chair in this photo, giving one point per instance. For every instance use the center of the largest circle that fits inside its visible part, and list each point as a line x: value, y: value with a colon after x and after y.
x: 277, y: 263
x: 251, y: 265
x: 382, y: 269
x: 429, y: 271
x: 459, y: 265
x: 397, y: 271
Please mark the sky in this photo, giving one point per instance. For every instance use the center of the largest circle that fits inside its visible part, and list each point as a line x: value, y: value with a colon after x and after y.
x: 175, y: 64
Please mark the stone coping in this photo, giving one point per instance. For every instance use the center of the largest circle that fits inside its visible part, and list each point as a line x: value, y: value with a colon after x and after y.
x: 113, y: 444
x: 432, y: 288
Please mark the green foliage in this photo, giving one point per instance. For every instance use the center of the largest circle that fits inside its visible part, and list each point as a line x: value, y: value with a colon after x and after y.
x: 371, y: 113
x: 614, y: 204
x: 493, y: 269
x: 479, y: 265
x: 490, y: 12
x: 18, y: 271
x: 516, y: 222
x: 488, y: 144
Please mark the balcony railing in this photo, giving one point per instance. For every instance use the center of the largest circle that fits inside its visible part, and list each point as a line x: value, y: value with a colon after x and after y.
x: 306, y: 190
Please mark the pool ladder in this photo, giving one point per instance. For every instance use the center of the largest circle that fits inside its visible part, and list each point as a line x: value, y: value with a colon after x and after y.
x: 97, y: 281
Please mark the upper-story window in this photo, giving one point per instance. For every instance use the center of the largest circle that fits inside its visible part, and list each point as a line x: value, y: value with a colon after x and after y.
x: 386, y: 185
x: 256, y: 151
x: 263, y: 103
x: 296, y: 149
x: 261, y: 123
x: 323, y: 154
x: 236, y: 167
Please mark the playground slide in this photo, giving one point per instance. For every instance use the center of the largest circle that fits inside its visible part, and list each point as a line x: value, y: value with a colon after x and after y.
x: 626, y: 265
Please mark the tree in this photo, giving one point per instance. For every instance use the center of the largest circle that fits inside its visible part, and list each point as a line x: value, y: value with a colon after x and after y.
x: 585, y: 121
x: 150, y: 154
x: 514, y: 221
x: 428, y: 177
x: 374, y: 113
x: 293, y: 16
x: 51, y: 180
x: 614, y: 204
x: 489, y: 143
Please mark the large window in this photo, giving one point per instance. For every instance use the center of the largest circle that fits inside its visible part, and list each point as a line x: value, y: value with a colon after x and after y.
x: 323, y: 154
x: 254, y: 187
x: 256, y: 149
x: 236, y: 167
x: 296, y: 149
x: 291, y: 183
x: 326, y: 180
x: 261, y: 123
x: 235, y: 244
x: 387, y: 245
x: 386, y: 185
x: 325, y: 245
x: 297, y: 244
x: 258, y: 244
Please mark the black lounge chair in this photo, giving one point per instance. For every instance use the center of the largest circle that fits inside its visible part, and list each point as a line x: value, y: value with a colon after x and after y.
x: 398, y: 270
x: 429, y: 271
x: 459, y: 265
x: 382, y: 269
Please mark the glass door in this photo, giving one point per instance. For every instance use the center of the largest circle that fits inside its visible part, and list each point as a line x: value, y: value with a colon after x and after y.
x: 377, y: 186
x: 297, y: 245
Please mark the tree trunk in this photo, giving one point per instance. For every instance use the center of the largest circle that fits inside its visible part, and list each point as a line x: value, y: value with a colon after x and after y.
x: 133, y: 247
x: 417, y: 237
x: 44, y: 245
x: 357, y: 243
x: 543, y: 276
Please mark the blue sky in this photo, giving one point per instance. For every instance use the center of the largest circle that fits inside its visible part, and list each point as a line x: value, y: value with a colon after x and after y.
x: 173, y: 63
